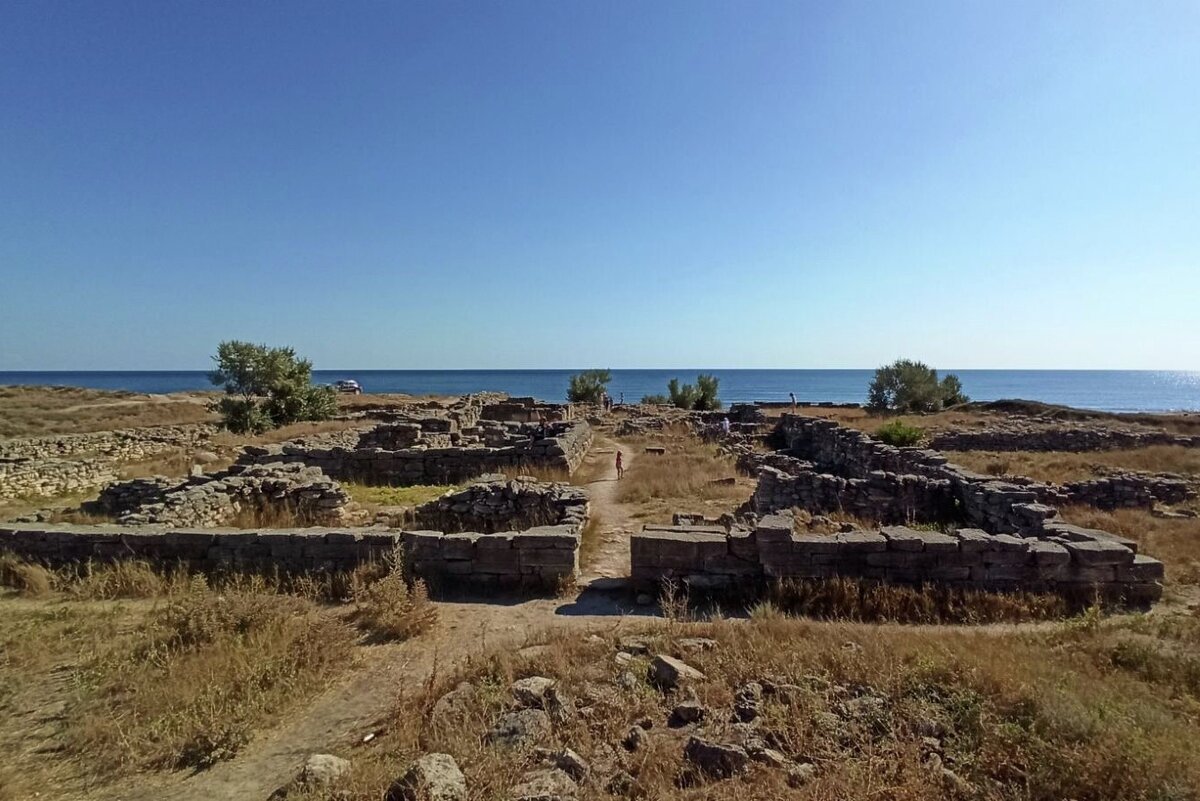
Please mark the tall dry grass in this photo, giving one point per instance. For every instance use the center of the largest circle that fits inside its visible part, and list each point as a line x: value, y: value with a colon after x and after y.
x: 687, y: 478
x: 1060, y: 467
x: 204, y: 672
x: 879, y: 712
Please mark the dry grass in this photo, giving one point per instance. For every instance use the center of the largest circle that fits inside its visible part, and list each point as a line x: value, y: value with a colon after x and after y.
x: 684, y: 479
x: 189, y: 687
x: 1059, y: 467
x: 374, y: 497
x: 866, y: 602
x: 166, y: 670
x: 555, y: 475
x: 226, y: 439
x: 37, y: 411
x: 392, y: 607
x: 1046, y: 714
x: 1174, y: 541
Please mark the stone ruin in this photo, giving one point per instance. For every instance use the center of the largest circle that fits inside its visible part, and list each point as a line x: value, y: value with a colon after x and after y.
x: 219, y: 499
x: 57, y: 465
x: 1005, y: 536
x: 497, y: 505
x: 527, y: 539
x: 433, y: 450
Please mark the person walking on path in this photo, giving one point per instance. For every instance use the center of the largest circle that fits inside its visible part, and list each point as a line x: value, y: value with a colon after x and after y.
x: 620, y: 466
x: 793, y: 394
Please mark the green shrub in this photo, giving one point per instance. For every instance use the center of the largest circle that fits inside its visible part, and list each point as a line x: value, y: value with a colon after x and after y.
x: 656, y: 400
x: 899, y: 433
x: 267, y: 388
x: 589, y: 386
x: 911, y: 386
x: 701, y: 397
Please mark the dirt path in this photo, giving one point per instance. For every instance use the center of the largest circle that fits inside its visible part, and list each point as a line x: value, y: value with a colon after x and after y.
x: 609, y: 558
x: 350, y: 709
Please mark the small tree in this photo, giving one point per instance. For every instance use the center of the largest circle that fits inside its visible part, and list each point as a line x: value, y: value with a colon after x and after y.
x: 267, y: 388
x: 911, y: 386
x: 952, y: 392
x: 588, y: 386
x: 702, y: 396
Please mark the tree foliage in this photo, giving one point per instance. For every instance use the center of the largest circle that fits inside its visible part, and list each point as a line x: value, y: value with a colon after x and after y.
x: 656, y: 400
x: 911, y: 386
x: 701, y: 396
x: 588, y: 386
x: 266, y: 388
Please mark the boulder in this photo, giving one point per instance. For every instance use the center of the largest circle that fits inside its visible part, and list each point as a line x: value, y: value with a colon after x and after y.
x: 518, y: 728
x: 715, y: 760
x: 531, y: 692
x: 667, y: 673
x: 433, y: 777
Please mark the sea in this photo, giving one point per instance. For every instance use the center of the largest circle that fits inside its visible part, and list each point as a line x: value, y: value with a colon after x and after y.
x: 1105, y: 390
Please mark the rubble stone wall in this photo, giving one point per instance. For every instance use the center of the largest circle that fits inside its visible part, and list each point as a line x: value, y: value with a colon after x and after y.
x: 216, y: 499
x: 63, y: 464
x: 491, y: 506
x: 537, y: 559
x: 1068, y: 560
x: 1073, y: 438
x: 563, y: 449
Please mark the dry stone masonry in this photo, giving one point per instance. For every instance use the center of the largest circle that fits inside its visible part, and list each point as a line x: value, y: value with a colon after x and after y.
x: 1031, y: 436
x: 69, y: 463
x: 217, y: 499
x: 1074, y: 562
x: 1007, y: 536
x: 500, y: 505
x: 434, y: 451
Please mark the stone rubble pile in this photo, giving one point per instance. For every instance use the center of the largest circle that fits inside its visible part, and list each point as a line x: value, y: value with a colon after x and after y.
x: 303, y: 493
x: 69, y: 463
x: 502, y: 505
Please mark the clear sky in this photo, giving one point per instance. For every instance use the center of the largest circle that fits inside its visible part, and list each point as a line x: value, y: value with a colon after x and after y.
x: 562, y: 184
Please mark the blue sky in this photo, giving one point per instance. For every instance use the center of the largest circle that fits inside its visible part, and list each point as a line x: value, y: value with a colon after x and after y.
x: 562, y: 184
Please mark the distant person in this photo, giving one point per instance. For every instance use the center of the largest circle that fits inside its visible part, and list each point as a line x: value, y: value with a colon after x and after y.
x: 620, y: 466
x: 725, y: 426
x: 793, y: 394
x: 622, y: 398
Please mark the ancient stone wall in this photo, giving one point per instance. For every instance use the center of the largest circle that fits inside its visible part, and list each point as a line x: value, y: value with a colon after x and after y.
x: 563, y: 448
x: 63, y: 464
x: 1068, y: 560
x: 1040, y: 437
x: 491, y: 506
x: 537, y: 559
x: 853, y: 473
x: 295, y: 490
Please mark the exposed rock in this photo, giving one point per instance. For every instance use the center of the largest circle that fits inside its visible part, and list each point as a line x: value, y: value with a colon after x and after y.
x: 433, y: 777
x: 452, y: 706
x: 747, y: 701
x: 319, y: 771
x: 667, y: 673
x: 520, y: 727
x: 531, y: 692
x: 545, y: 784
x: 715, y: 760
x: 686, y: 713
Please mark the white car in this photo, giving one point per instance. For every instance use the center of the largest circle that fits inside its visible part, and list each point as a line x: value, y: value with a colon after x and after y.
x: 348, y: 386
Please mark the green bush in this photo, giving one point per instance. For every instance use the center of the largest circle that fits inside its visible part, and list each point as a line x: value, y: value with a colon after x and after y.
x: 589, y: 386
x: 656, y: 400
x: 267, y: 388
x: 701, y: 397
x: 911, y: 386
x: 899, y: 434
